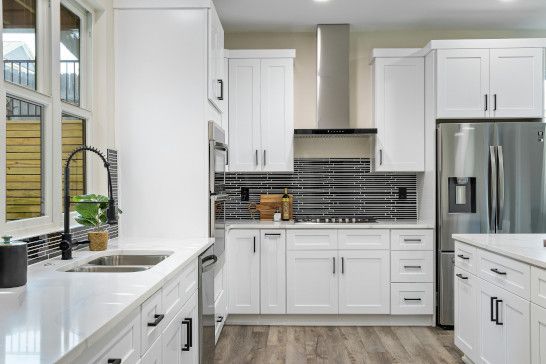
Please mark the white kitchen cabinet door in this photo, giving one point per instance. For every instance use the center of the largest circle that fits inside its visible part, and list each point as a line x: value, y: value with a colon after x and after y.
x: 517, y: 83
x: 243, y: 262
x: 216, y: 76
x: 154, y: 355
x: 277, y: 114
x: 399, y: 99
x: 538, y: 334
x: 273, y: 272
x: 245, y: 154
x: 463, y: 83
x: 364, y: 282
x: 312, y: 282
x: 189, y: 346
x: 466, y: 313
x: 505, y: 332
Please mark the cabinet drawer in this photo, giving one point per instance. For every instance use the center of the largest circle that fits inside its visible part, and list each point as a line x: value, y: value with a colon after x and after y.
x: 505, y: 272
x: 125, y: 345
x: 412, y: 239
x: 412, y: 298
x: 538, y: 286
x: 152, y: 320
x: 364, y: 239
x: 189, y: 281
x: 319, y: 239
x: 466, y: 257
x: 411, y: 266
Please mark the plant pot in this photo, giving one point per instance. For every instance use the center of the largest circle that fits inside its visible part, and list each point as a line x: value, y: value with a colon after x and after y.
x: 98, y: 240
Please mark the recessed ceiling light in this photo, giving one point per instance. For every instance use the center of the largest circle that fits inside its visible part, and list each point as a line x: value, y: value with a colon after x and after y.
x: 321, y: 1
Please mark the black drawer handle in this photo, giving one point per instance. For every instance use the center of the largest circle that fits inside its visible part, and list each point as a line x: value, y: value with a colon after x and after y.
x: 493, y: 319
x: 412, y: 267
x: 114, y: 361
x: 277, y: 234
x: 412, y: 299
x: 463, y: 257
x: 461, y: 276
x: 220, y: 319
x: 189, y: 333
x: 158, y: 319
x: 412, y: 240
x: 495, y: 270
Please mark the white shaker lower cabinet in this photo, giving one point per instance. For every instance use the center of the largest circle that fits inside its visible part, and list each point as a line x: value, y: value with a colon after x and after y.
x: 538, y: 334
x: 504, y: 335
x: 273, y: 272
x: 243, y: 261
x: 180, y: 338
x: 466, y: 297
x: 364, y: 283
x: 312, y: 284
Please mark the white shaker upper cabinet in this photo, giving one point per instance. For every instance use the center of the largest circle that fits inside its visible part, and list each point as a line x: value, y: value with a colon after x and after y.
x: 517, y: 83
x: 277, y: 114
x: 244, y: 115
x: 399, y: 98
x: 463, y: 83
x: 216, y: 72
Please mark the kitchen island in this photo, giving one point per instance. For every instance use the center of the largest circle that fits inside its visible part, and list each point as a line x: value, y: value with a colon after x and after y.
x: 500, y: 297
x: 70, y: 317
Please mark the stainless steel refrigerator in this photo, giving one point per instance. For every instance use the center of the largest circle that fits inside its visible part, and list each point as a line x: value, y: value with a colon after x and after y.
x: 490, y: 179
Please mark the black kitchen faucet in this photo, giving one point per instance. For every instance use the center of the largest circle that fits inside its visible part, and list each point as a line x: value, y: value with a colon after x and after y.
x: 66, y: 238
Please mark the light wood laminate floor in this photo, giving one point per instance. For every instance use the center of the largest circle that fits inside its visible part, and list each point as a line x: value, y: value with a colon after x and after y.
x: 296, y: 344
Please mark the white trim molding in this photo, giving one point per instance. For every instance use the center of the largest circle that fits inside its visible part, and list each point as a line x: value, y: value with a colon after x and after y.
x: 162, y: 4
x: 332, y: 320
x: 260, y: 53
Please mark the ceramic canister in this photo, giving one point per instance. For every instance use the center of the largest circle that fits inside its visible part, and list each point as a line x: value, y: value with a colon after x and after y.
x: 13, y: 264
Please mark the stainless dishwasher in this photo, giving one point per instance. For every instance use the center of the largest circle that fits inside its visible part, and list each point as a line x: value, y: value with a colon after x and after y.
x: 207, y: 262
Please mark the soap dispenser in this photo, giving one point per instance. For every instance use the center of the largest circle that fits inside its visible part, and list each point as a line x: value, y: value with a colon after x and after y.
x: 13, y: 263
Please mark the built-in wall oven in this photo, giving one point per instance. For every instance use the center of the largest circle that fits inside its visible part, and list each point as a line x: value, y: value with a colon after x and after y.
x: 218, y: 159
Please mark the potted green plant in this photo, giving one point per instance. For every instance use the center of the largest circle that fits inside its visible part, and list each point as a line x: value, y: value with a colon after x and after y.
x: 91, y: 210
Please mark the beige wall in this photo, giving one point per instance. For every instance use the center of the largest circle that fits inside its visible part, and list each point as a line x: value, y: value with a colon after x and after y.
x: 360, y: 71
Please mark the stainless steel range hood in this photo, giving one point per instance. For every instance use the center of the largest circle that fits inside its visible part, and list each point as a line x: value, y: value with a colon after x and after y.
x: 333, y: 84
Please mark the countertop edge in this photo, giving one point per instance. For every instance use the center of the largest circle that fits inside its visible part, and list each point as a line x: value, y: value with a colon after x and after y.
x: 500, y: 251
x: 256, y: 224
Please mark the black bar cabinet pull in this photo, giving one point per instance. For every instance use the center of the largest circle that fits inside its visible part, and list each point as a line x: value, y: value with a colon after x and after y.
x: 485, y: 102
x: 412, y: 299
x: 412, y: 240
x: 188, y: 344
x: 412, y: 266
x: 334, y: 264
x: 114, y: 361
x: 220, y: 319
x: 495, y: 270
x: 254, y: 244
x: 463, y: 257
x: 269, y: 234
x: 461, y: 276
x: 221, y: 82
x: 342, y: 265
x: 158, y: 319
x: 493, y: 319
x: 495, y: 102
x: 497, y: 321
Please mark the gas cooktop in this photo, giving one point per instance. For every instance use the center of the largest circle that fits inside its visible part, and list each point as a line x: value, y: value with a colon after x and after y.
x: 336, y: 220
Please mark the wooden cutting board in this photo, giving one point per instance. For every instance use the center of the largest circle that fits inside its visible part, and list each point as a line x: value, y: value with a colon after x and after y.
x: 270, y: 203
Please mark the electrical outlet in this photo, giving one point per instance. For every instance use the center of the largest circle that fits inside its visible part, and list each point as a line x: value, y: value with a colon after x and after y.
x: 402, y: 193
x: 245, y: 194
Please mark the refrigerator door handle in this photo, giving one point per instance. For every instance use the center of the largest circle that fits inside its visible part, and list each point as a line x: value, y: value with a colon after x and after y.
x: 500, y: 213
x: 492, y: 188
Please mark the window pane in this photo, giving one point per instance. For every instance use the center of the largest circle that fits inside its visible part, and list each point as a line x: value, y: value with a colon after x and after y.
x: 73, y: 129
x: 19, y: 40
x: 70, y: 56
x: 24, y: 160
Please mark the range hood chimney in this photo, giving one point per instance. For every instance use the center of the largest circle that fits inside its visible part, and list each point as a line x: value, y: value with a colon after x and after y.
x: 333, y: 83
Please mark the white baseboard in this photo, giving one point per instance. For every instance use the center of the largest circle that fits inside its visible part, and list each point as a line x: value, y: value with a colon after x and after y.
x: 332, y: 320
x: 466, y: 360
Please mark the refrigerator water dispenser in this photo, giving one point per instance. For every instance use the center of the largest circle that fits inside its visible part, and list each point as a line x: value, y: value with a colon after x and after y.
x: 462, y: 194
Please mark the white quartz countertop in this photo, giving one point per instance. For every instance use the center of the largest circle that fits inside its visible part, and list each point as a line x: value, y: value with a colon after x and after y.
x: 257, y: 224
x: 527, y: 248
x: 57, y: 315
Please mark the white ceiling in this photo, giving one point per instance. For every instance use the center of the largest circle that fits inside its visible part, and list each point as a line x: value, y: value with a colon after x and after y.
x: 302, y: 15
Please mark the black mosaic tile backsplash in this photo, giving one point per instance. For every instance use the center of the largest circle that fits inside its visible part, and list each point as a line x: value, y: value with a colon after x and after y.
x: 341, y: 187
x: 46, y: 246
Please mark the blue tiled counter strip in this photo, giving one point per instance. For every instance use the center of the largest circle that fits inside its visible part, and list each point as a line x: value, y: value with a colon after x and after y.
x: 342, y: 187
x: 46, y: 246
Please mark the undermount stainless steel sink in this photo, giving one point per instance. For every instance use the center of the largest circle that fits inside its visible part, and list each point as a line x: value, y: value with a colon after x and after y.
x: 120, y: 263
x: 126, y: 259
x: 108, y: 269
